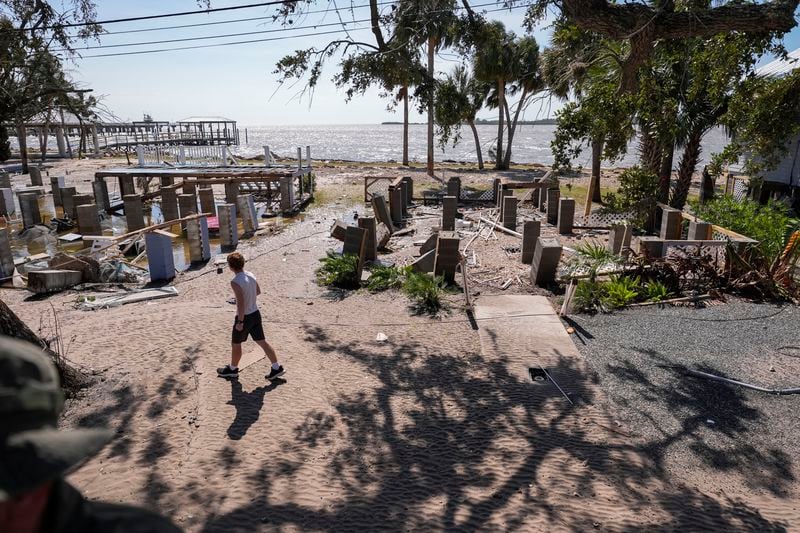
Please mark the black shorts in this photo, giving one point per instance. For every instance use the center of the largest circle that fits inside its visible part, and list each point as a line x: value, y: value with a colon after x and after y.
x: 252, y: 327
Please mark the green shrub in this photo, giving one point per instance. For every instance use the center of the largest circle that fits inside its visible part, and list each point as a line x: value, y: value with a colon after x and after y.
x: 621, y: 291
x: 383, y: 278
x: 590, y: 257
x: 425, y: 291
x: 588, y: 297
x: 637, y: 194
x: 655, y: 291
x: 339, y: 271
x: 769, y: 224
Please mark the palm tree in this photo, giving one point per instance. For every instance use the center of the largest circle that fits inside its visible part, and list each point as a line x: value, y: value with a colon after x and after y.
x: 528, y: 81
x: 459, y: 97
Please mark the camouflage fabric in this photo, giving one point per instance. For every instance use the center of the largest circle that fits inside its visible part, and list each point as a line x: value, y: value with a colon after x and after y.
x: 32, y: 450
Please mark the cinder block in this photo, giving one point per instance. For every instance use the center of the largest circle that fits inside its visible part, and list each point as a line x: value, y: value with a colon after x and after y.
x: 496, y: 190
x: 424, y: 263
x: 5, y: 180
x: 189, y: 187
x: 187, y: 203
x: 504, y: 193
x: 6, y: 256
x: 553, y: 199
x: 545, y: 261
x: 7, y: 206
x: 381, y: 211
x: 509, y: 214
x: 447, y: 255
x: 287, y: 193
x: 409, y: 189
x: 228, y: 230
x: 449, y: 208
x: 535, y: 193
x: 371, y: 247
x: 199, y: 243
x: 67, y: 203
x: 231, y: 192
x: 700, y: 231
x: 530, y: 235
x: 338, y: 230
x: 404, y: 203
x: 88, y: 220
x: 126, y: 186
x: 616, y: 235
x: 29, y: 207
x: 454, y: 187
x: 430, y: 244
x: 396, y: 204
x: 566, y: 215
x: 652, y: 247
x: 36, y: 175
x: 166, y: 181
x: 355, y: 243
x: 100, y: 191
x: 46, y: 281
x: 247, y: 208
x: 207, y: 204
x: 134, y: 216
x: 169, y: 203
x: 670, y: 224
x: 160, y: 261
x: 56, y: 182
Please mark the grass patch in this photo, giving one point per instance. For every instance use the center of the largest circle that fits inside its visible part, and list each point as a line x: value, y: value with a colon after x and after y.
x: 339, y: 271
x: 424, y: 291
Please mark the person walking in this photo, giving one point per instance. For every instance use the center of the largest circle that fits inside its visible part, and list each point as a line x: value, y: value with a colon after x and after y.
x: 247, y: 321
x: 35, y: 456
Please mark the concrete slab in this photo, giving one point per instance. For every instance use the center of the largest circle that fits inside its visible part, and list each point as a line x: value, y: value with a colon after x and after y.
x: 44, y: 281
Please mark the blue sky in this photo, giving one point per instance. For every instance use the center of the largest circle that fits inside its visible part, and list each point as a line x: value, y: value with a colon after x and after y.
x: 238, y: 81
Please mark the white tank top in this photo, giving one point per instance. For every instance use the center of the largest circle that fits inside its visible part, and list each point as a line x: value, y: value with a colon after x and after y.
x: 247, y: 281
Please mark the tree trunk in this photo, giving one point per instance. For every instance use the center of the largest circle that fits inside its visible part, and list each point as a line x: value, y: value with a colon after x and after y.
x: 431, y: 49
x: 405, y: 124
x: 665, y: 171
x: 691, y: 153
x: 649, y: 151
x: 597, y: 159
x: 23, y: 146
x: 501, y: 90
x: 45, y: 136
x: 477, y: 144
x: 512, y: 127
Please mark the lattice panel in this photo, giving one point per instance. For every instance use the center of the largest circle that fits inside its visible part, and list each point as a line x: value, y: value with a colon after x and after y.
x: 376, y: 186
x: 477, y: 196
x: 716, y: 252
x: 605, y: 219
x: 739, y: 190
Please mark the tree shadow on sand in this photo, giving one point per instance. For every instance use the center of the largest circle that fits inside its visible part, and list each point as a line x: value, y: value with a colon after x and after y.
x: 393, y: 463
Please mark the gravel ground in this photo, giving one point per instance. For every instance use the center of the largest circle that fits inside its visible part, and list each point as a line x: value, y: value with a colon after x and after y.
x: 738, y: 440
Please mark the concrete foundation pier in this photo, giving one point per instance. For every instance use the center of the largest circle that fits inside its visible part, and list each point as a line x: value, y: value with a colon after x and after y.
x: 566, y: 215
x: 159, y: 255
x: 207, y: 204
x: 67, y: 202
x: 187, y: 203
x: 553, y: 198
x: 199, y: 244
x: 371, y: 248
x: 36, y: 175
x: 7, y: 206
x: 6, y: 257
x: 545, y: 261
x: 29, y: 207
x: 228, y: 230
x: 60, y: 142
x: 619, y: 238
x: 231, y: 192
x: 671, y: 224
x: 449, y: 208
x: 287, y: 194
x: 88, y: 220
x: 355, y: 243
x: 134, y: 214
x: 700, y: 231
x: 508, y: 217
x: 56, y: 183
x: 530, y: 235
x: 496, y: 183
x: 189, y: 187
x: 169, y: 203
x: 247, y: 208
x: 409, y: 189
x: 652, y: 247
x: 5, y: 180
x: 101, y: 198
x: 80, y: 199
x: 396, y: 204
x: 126, y: 186
x: 447, y: 256
x: 454, y: 187
x: 166, y: 181
x: 535, y: 193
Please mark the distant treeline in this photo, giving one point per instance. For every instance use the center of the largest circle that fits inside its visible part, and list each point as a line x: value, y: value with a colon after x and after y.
x: 545, y: 121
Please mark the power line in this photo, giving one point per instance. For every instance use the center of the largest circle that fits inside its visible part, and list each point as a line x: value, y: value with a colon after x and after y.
x: 164, y: 15
x: 249, y: 41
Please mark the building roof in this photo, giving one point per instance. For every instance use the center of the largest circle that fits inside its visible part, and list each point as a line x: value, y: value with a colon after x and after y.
x: 780, y: 67
x: 206, y: 119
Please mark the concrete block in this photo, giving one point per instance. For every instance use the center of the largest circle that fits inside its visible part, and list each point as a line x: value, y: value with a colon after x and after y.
x: 381, y: 211
x: 207, y: 204
x: 504, y: 193
x: 160, y: 260
x: 29, y: 207
x: 508, y: 216
x: 496, y: 189
x: 396, y: 204
x: 56, y: 183
x: 545, y: 261
x: 652, y: 247
x: 67, y: 203
x: 454, y: 187
x: 187, y: 204
x: 542, y: 205
x: 86, y: 265
x: 231, y: 192
x: 447, y: 255
x: 81, y: 199
x: 88, y: 220
x: 530, y: 235
x: 371, y: 249
x: 424, y: 263
x: 700, y: 231
x: 126, y: 186
x: 338, y: 230
x: 36, y: 175
x: 430, y: 244
x: 134, y: 214
x: 169, y: 203
x: 166, y: 181
x: 553, y: 198
x: 449, y: 209
x: 409, y: 189
x: 46, y: 281
x: 5, y: 180
x: 535, y: 194
x: 100, y: 190
x: 615, y: 237
x: 671, y: 224
x: 355, y: 243
x: 246, y: 206
x: 382, y: 235
x: 404, y: 203
x: 6, y: 256
x: 199, y: 243
x: 566, y: 215
x: 228, y: 229
x: 7, y: 206
x: 287, y: 193
x: 189, y: 187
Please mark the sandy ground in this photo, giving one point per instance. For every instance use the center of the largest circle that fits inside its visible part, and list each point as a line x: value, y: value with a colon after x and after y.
x: 427, y: 431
